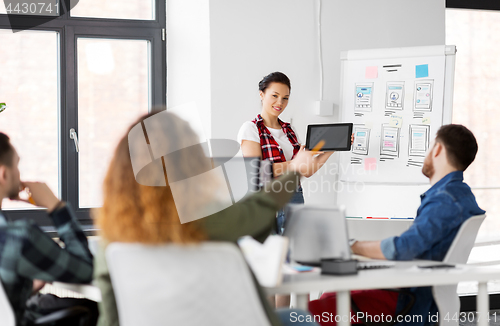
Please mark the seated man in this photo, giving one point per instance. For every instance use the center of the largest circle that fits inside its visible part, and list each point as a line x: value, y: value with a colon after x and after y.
x: 26, y: 252
x: 444, y: 207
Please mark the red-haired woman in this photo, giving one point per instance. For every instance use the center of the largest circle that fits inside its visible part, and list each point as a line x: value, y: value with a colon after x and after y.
x: 132, y: 212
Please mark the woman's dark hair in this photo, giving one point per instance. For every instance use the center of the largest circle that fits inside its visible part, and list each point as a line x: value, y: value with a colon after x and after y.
x: 6, y: 150
x: 460, y: 143
x: 274, y: 77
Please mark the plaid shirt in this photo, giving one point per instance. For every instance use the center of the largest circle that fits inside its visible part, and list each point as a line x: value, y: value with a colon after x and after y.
x: 270, y: 149
x: 27, y: 253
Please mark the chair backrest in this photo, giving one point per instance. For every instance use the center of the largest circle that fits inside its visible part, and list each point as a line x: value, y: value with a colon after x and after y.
x: 205, y: 284
x: 445, y: 296
x: 6, y: 313
x: 462, y: 245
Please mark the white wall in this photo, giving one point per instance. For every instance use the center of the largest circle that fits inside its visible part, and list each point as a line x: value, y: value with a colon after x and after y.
x: 249, y: 39
x: 188, y: 56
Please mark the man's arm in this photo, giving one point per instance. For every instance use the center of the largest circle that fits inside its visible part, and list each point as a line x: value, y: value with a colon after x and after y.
x: 41, y: 258
x: 435, y: 219
x: 370, y: 249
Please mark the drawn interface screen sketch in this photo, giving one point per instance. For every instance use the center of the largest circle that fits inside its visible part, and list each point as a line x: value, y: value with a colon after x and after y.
x: 396, y: 106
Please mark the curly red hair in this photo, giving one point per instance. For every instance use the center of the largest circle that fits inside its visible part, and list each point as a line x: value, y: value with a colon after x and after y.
x: 132, y: 212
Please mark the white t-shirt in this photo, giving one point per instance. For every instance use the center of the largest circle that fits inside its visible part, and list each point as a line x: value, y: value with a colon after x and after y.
x: 249, y: 131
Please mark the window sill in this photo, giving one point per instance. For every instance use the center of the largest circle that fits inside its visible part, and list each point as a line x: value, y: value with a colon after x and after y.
x: 88, y: 230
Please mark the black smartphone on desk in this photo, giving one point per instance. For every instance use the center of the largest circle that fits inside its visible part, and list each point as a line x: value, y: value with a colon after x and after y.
x: 437, y: 266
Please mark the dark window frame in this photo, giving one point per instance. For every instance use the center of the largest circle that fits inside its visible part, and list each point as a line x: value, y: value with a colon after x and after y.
x: 473, y: 4
x: 69, y: 29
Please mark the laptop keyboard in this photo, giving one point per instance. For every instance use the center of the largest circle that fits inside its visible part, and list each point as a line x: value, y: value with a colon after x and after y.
x: 374, y: 265
x: 362, y: 265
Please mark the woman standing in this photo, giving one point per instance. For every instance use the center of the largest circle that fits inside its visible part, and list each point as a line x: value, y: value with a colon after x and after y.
x: 272, y: 139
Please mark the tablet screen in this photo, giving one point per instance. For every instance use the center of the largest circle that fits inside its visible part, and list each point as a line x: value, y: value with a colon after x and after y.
x: 337, y: 136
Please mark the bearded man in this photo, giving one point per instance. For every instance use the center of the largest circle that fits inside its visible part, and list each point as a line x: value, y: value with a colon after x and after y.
x: 444, y: 208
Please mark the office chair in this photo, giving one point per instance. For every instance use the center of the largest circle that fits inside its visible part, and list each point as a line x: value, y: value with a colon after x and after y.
x: 188, y: 285
x: 8, y: 317
x: 79, y: 314
x: 445, y: 296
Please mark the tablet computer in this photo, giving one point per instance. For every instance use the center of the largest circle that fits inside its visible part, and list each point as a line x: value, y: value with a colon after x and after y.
x: 337, y: 136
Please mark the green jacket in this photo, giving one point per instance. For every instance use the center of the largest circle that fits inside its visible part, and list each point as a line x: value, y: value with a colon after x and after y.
x: 254, y: 215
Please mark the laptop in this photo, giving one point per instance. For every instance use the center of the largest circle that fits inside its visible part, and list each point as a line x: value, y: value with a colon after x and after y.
x: 320, y: 232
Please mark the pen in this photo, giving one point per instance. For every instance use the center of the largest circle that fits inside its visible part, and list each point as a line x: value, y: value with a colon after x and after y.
x: 318, y: 146
x: 31, y: 200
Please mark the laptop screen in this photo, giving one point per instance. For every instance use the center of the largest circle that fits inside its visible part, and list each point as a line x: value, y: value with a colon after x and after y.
x: 336, y: 136
x: 316, y: 232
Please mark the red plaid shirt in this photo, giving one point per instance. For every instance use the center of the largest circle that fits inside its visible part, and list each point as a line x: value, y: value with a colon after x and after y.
x: 270, y: 149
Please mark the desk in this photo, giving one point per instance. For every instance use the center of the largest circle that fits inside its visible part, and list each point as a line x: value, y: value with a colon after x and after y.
x: 403, y: 274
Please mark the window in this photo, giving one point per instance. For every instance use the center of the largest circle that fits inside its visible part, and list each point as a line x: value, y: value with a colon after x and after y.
x: 476, y: 33
x: 29, y: 86
x: 93, y: 70
x: 130, y: 9
x: 107, y: 108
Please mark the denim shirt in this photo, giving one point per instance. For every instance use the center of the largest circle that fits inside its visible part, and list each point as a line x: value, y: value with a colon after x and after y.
x: 3, y: 221
x: 443, y: 209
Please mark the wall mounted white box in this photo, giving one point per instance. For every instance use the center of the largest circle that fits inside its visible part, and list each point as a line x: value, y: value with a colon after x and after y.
x: 323, y: 108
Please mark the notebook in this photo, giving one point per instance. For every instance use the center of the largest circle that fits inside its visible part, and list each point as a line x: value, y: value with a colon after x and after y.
x: 265, y: 259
